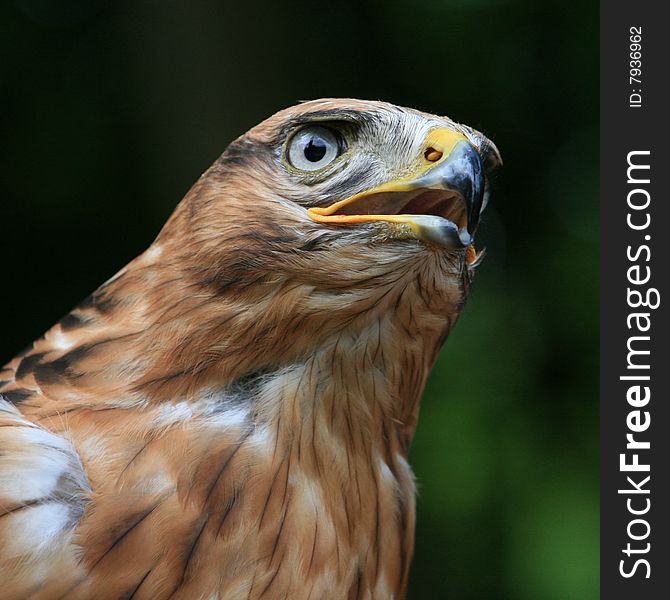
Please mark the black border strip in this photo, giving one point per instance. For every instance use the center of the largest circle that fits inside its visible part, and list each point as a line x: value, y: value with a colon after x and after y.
x: 634, y: 124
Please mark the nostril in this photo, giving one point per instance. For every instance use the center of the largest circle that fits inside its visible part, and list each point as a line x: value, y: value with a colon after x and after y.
x: 432, y: 155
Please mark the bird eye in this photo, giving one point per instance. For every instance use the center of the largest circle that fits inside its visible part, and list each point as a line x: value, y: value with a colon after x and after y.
x: 312, y: 148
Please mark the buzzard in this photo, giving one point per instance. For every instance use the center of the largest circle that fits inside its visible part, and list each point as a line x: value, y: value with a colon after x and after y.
x: 229, y: 416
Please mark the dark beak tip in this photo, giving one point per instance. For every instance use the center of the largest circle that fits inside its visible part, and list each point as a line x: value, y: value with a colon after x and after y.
x: 467, y: 178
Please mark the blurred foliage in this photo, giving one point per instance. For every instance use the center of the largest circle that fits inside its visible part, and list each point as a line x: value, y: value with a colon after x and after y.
x: 110, y: 110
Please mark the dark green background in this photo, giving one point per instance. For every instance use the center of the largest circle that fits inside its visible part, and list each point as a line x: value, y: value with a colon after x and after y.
x: 110, y: 110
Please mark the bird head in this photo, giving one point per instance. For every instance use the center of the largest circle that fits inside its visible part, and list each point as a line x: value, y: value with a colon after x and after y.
x: 409, y: 174
x: 354, y: 178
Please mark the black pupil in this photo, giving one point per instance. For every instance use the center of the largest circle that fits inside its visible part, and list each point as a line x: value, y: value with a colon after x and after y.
x: 315, y: 149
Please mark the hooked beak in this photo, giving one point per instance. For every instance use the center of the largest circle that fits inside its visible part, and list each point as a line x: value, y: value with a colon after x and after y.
x: 440, y: 202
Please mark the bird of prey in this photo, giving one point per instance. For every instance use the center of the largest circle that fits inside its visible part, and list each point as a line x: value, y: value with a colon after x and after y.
x: 229, y: 416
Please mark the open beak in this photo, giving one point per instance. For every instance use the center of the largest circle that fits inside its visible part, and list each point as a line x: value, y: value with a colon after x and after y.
x: 440, y: 202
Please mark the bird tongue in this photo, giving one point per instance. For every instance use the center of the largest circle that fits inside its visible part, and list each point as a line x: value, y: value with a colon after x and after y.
x: 383, y: 203
x: 437, y: 203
